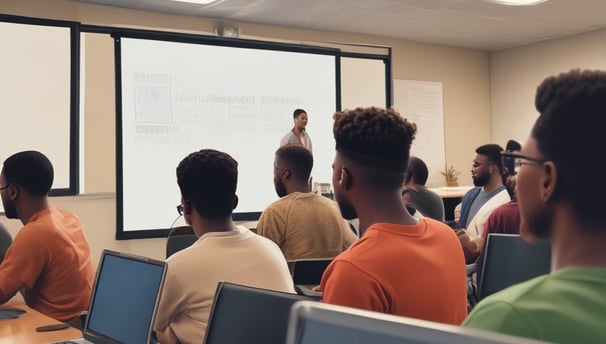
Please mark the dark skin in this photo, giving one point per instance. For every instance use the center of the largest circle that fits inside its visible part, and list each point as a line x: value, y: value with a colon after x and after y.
x: 573, y: 242
x: 371, y: 204
x: 25, y: 203
x: 283, y: 173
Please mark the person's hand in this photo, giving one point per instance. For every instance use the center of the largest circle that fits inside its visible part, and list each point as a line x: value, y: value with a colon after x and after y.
x: 470, y: 247
x: 461, y: 232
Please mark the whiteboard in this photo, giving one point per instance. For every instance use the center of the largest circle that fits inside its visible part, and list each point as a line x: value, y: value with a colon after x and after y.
x: 421, y: 103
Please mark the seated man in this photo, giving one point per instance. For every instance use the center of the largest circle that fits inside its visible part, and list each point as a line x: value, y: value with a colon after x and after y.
x: 426, y: 201
x: 49, y: 260
x: 302, y: 223
x: 224, y: 252
x: 559, y: 198
x: 479, y: 202
x: 505, y: 218
x: 400, y: 265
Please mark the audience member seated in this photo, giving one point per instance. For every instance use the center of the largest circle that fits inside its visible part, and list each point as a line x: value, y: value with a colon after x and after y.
x: 302, y: 223
x: 505, y: 218
x: 426, y: 201
x: 400, y: 265
x: 49, y: 261
x: 557, y: 192
x: 478, y: 203
x: 224, y: 252
x: 411, y: 209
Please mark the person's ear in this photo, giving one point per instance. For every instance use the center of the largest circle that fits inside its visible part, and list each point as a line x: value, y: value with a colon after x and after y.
x: 345, y: 179
x: 286, y: 173
x: 235, y: 201
x: 13, y: 191
x: 186, y: 208
x: 549, y: 181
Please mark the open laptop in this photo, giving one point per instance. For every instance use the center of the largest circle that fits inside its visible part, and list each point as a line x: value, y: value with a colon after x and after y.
x: 124, y: 299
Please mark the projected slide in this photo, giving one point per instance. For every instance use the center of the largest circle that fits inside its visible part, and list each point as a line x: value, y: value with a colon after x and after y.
x: 178, y: 98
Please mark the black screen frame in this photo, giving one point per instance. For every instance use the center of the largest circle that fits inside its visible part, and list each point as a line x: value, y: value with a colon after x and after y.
x: 74, y: 102
x: 117, y: 34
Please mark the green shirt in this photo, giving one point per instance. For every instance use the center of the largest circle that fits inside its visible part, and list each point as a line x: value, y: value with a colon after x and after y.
x: 568, y: 306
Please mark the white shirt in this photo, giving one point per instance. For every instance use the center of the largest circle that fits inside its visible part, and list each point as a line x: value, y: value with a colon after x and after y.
x: 238, y: 256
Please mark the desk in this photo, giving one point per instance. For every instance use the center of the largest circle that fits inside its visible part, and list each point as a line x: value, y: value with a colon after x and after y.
x: 23, y: 329
x: 451, y: 196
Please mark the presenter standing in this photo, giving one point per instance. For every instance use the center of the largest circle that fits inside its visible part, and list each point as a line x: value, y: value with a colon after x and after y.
x: 298, y: 135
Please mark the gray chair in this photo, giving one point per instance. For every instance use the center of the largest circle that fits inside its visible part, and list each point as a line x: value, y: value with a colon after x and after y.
x: 5, y: 241
x: 179, y: 238
x: 507, y: 260
x: 242, y: 314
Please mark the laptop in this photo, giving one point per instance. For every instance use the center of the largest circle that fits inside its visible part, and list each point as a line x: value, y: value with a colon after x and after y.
x: 124, y: 299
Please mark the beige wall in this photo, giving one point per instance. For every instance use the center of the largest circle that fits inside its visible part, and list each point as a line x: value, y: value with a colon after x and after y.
x: 516, y: 73
x: 463, y: 72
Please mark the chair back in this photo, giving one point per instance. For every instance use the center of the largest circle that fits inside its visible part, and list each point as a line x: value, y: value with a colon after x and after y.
x: 5, y: 241
x: 320, y: 323
x: 242, y: 314
x: 509, y: 260
x: 179, y: 238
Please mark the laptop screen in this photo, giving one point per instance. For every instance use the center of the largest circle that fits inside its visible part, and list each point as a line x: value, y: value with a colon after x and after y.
x: 124, y: 298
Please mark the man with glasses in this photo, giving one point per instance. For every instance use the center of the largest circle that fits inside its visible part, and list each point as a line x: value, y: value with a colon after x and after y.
x: 478, y: 203
x: 560, y: 198
x: 224, y: 252
x: 506, y: 217
x: 49, y: 260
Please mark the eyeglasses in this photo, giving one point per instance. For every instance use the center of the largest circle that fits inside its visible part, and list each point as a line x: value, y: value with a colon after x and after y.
x: 513, y: 161
x: 180, y: 209
x: 4, y: 187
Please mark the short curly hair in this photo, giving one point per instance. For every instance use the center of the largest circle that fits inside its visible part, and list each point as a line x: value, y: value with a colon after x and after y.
x: 208, y: 180
x: 572, y: 119
x: 32, y: 170
x: 298, y: 158
x: 375, y: 137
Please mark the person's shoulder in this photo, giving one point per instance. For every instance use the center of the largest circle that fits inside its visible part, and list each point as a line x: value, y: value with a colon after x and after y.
x: 505, y: 208
x: 473, y: 191
x: 521, y: 293
x: 282, y: 204
x: 255, y: 240
x: 513, y: 309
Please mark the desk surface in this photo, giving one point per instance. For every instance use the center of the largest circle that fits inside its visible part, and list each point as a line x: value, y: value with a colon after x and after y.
x: 23, y: 329
x: 452, y: 191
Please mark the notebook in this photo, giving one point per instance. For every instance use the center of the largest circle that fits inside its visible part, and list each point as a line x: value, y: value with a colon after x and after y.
x: 124, y: 299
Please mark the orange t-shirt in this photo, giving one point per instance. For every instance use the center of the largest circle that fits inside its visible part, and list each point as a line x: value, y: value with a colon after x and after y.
x: 414, y: 271
x: 49, y: 261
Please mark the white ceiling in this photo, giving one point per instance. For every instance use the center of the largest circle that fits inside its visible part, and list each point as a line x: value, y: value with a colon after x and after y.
x: 476, y: 24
